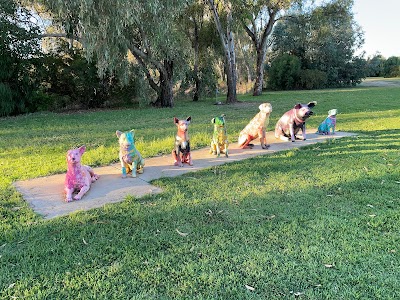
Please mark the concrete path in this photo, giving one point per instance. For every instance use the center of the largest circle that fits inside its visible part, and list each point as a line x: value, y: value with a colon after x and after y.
x: 45, y: 194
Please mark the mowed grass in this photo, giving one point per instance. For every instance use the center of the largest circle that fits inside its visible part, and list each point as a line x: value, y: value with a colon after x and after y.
x: 319, y: 222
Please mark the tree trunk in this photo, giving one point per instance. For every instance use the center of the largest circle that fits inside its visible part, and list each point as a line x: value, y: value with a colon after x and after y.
x: 231, y: 65
x: 229, y: 51
x: 261, y: 47
x: 196, y: 63
x: 258, y: 84
x: 166, y: 95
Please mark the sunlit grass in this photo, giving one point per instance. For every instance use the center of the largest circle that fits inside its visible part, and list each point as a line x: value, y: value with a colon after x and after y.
x: 319, y: 222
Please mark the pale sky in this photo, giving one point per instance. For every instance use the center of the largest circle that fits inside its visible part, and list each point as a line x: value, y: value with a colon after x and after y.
x: 380, y: 21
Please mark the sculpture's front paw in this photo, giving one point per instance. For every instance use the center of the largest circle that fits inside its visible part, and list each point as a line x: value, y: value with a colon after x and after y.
x: 265, y: 146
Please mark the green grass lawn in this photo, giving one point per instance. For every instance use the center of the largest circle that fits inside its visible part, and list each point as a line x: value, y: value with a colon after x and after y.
x: 319, y: 222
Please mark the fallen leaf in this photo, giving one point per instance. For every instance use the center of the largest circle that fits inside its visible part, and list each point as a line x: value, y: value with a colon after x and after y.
x: 372, y: 216
x: 397, y: 182
x: 329, y: 195
x: 298, y: 294
x: 270, y: 217
x: 181, y: 233
x: 84, y: 241
x: 369, y: 205
x: 11, y: 285
x: 329, y: 265
x: 250, y: 288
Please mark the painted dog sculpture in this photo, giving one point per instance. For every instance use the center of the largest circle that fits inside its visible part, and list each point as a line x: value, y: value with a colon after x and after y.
x: 293, y: 120
x: 219, y: 142
x: 256, y: 128
x: 181, y: 152
x: 328, y: 126
x: 130, y: 158
x: 78, y: 177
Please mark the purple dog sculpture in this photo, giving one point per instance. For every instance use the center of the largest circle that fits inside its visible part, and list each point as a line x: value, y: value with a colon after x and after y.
x: 292, y: 121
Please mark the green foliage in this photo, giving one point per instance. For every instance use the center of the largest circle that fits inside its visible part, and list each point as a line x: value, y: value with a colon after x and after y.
x: 284, y: 73
x: 391, y: 67
x: 147, y: 29
x: 69, y: 81
x: 378, y: 66
x: 19, y: 49
x: 313, y: 79
x: 324, y: 39
x: 375, y: 66
x: 6, y: 100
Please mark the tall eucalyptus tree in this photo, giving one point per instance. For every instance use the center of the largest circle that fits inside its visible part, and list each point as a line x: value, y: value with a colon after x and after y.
x: 109, y: 29
x: 192, y: 23
x: 259, y: 18
x: 225, y: 32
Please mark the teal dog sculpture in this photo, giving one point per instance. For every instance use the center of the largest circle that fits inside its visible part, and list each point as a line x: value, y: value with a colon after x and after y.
x: 130, y: 158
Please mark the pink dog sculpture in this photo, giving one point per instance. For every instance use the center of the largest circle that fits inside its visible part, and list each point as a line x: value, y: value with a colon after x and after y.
x: 78, y: 177
x: 182, y: 143
x: 256, y: 128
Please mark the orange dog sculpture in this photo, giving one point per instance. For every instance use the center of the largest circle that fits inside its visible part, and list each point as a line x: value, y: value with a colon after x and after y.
x: 256, y: 128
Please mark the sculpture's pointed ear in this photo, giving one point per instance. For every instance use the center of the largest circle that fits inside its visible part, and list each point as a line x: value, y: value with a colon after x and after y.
x: 176, y: 120
x: 189, y: 119
x: 82, y: 149
x: 297, y: 106
x: 213, y: 120
x: 312, y: 103
x: 118, y: 133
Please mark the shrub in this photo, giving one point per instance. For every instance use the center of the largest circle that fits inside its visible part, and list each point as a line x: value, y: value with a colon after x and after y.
x: 284, y: 73
x: 313, y: 79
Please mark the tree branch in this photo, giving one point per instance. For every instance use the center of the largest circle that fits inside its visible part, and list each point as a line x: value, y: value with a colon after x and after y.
x: 60, y: 35
x: 150, y: 79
